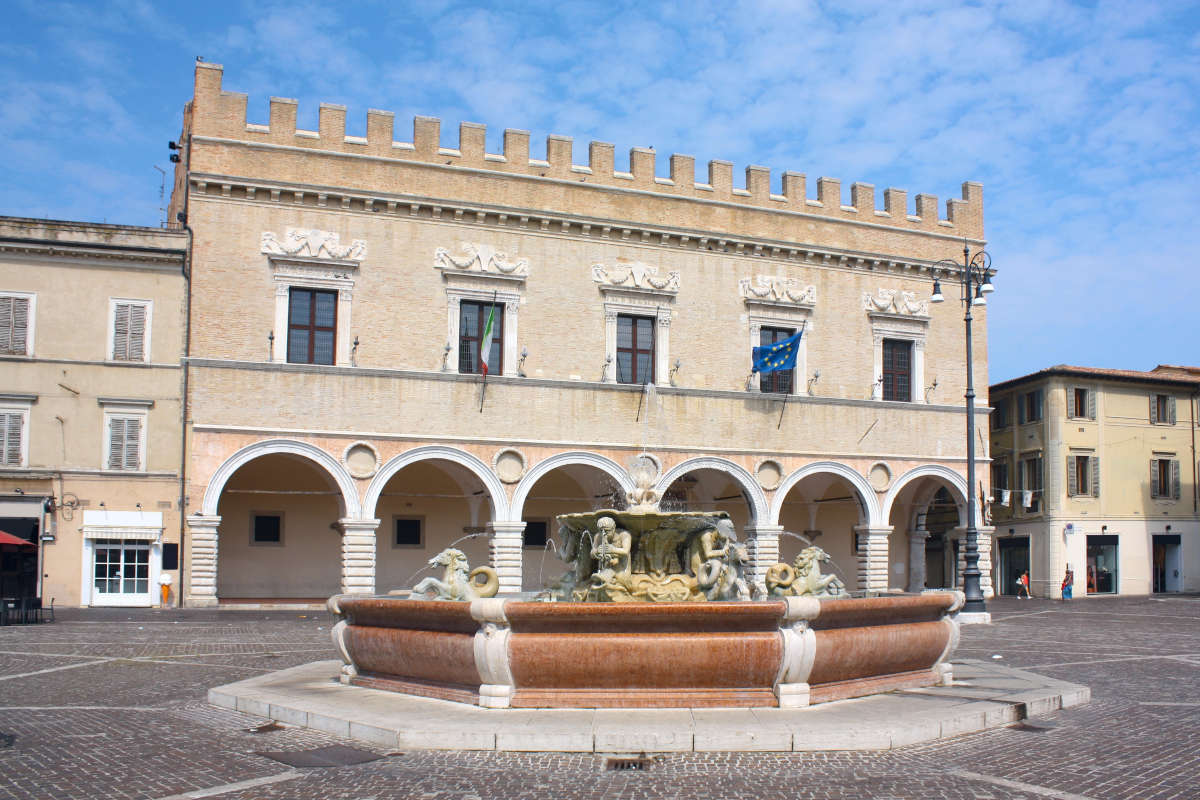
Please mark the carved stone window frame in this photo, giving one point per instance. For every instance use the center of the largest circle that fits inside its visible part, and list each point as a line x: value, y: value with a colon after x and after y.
x: 903, y: 327
x: 765, y: 313
x: 508, y: 289
x: 288, y: 272
x: 655, y: 303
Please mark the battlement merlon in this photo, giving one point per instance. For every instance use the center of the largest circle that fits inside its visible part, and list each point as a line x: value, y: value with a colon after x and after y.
x: 220, y: 114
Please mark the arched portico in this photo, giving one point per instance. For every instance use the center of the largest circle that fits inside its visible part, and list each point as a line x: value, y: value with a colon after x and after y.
x: 560, y: 460
x: 271, y: 501
x: 492, y: 486
x: 755, y: 497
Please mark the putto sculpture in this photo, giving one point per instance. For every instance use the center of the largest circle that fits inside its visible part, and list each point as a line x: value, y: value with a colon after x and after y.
x: 458, y: 580
x: 803, y: 578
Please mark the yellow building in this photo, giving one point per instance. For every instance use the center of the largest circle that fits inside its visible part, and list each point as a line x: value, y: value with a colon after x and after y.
x: 1096, y: 469
x: 340, y: 431
x: 91, y: 331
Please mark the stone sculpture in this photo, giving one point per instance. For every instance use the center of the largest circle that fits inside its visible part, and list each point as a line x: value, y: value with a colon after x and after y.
x: 803, y: 578
x: 724, y: 578
x: 458, y: 580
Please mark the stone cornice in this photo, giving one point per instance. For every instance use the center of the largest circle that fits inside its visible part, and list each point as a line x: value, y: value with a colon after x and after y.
x: 90, y: 254
x: 207, y: 186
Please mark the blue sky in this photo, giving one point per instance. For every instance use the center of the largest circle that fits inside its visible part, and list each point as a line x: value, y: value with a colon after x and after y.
x: 1080, y: 119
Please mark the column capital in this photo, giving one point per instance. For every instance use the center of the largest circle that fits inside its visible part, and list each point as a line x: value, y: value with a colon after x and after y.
x: 197, y: 521
x: 755, y: 530
x: 506, y: 527
x: 883, y: 530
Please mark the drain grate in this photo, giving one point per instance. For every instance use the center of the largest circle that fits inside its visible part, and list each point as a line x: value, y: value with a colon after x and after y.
x: 266, y: 727
x: 7, y: 739
x: 627, y: 764
x: 333, y: 756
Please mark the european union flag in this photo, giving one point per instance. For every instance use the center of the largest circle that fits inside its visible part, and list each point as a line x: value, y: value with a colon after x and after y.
x: 781, y: 355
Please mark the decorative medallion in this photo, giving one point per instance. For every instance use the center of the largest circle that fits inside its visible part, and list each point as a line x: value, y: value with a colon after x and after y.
x: 361, y: 460
x: 769, y: 474
x: 880, y: 477
x: 509, y: 465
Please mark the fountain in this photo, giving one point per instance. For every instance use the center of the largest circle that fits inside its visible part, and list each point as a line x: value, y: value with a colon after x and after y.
x: 654, y: 611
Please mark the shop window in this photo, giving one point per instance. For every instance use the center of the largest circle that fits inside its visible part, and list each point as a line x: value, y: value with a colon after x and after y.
x: 635, y: 349
x: 1081, y: 403
x: 780, y: 381
x: 1162, y: 409
x: 1102, y: 561
x: 472, y: 331
x: 1165, y: 479
x: 312, y: 326
x: 266, y: 528
x: 408, y: 532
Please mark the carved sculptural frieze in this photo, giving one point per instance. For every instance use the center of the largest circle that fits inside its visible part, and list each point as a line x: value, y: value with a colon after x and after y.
x: 313, y: 243
x: 480, y: 258
x: 776, y: 289
x: 895, y: 301
x: 635, y: 275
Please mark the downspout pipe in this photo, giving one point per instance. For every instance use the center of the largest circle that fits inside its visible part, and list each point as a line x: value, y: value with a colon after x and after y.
x: 182, y: 218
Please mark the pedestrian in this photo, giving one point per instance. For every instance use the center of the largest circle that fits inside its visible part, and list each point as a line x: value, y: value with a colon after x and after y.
x: 1023, y: 586
x: 1068, y: 584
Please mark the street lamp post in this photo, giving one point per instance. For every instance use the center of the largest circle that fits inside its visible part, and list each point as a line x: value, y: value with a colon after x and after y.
x: 976, y: 283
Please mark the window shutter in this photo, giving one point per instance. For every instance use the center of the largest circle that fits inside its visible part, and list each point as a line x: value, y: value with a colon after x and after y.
x: 10, y: 430
x: 1095, y: 466
x: 1091, y: 400
x: 1153, y: 410
x: 1021, y: 409
x: 1171, y: 408
x: 133, y: 442
x: 1072, y: 476
x: 116, y: 443
x: 120, y: 346
x: 1175, y: 489
x: 1154, y: 488
x: 14, y: 324
x: 1071, y: 410
x: 137, y: 333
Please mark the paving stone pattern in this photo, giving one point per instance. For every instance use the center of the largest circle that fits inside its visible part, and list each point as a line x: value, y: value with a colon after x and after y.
x: 135, y: 725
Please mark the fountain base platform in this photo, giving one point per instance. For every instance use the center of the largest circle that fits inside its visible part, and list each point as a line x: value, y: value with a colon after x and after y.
x: 506, y: 653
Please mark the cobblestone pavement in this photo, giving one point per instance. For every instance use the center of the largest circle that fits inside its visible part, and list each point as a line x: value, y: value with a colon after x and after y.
x: 109, y: 703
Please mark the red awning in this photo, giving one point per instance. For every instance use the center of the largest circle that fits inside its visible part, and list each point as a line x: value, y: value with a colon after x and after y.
x: 8, y: 538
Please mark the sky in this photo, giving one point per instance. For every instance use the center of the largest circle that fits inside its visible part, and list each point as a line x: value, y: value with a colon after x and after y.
x: 1082, y: 120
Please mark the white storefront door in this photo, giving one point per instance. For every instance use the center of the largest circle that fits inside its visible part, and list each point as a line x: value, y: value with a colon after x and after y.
x: 121, y: 573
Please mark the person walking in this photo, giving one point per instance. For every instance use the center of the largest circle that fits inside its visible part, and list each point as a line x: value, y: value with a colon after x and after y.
x: 1023, y: 586
x: 1068, y: 584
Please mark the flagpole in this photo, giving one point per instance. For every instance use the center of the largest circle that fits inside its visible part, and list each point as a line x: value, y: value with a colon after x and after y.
x: 483, y: 383
x: 784, y: 399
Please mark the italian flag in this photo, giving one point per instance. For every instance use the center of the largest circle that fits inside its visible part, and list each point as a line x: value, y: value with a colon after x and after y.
x: 485, y: 349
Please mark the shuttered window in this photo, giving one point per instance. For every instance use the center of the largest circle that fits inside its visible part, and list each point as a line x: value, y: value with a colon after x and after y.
x: 1081, y: 403
x: 1164, y: 478
x: 14, y: 325
x: 1083, y: 476
x: 125, y: 443
x: 129, y: 331
x: 1162, y: 409
x: 11, y: 425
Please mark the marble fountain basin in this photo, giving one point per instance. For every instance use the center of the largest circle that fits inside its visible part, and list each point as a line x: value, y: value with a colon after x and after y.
x: 788, y: 652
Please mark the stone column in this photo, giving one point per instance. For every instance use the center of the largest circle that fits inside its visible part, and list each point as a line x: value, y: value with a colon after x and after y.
x: 505, y: 541
x: 358, y: 555
x: 873, y: 558
x: 985, y: 561
x: 763, y: 543
x: 202, y: 567
x: 916, y: 559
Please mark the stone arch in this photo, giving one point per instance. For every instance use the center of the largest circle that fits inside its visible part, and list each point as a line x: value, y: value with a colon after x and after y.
x: 755, y: 497
x: 869, y: 502
x: 956, y: 483
x: 546, y: 465
x: 345, y: 484
x: 435, y: 452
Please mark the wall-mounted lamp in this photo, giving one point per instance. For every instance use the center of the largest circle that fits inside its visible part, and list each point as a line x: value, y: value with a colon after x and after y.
x: 1103, y: 528
x: 816, y: 376
x: 604, y: 369
x: 354, y: 353
x: 930, y: 388
x: 445, y: 357
x: 521, y: 363
x: 270, y: 345
x: 674, y: 370
x: 19, y: 491
x: 1168, y: 529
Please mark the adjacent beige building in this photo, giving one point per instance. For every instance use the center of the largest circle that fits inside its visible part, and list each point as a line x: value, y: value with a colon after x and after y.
x: 340, y: 433
x: 1096, y: 469
x: 91, y: 331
